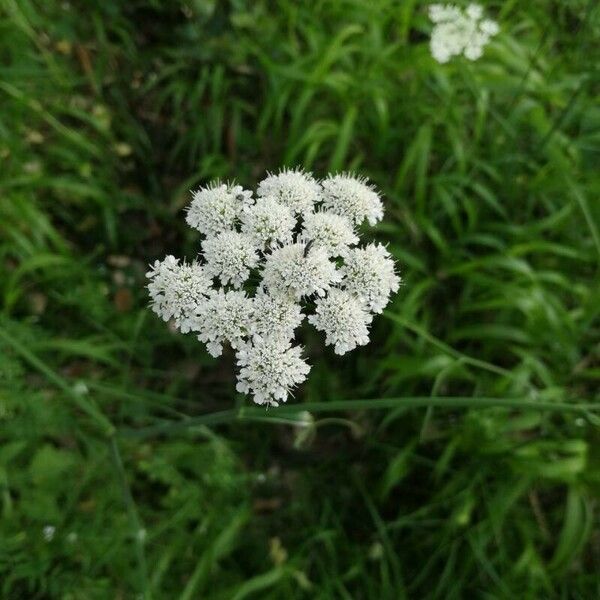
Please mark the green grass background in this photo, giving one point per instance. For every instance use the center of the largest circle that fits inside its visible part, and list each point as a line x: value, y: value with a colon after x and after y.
x: 473, y: 472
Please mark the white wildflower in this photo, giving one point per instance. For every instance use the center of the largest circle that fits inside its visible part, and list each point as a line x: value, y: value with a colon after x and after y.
x: 48, y: 532
x: 474, y: 11
x: 459, y: 31
x: 230, y: 256
x: 299, y: 271
x: 224, y: 317
x: 81, y: 389
x: 276, y: 315
x: 270, y: 368
x: 329, y: 231
x: 217, y: 208
x: 489, y: 27
x: 344, y: 320
x: 443, y: 12
x: 353, y: 198
x: 177, y: 290
x: 268, y: 222
x: 293, y: 188
x: 296, y: 242
x: 369, y: 275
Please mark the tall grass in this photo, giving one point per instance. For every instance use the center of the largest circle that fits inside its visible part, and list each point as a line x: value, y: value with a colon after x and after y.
x: 455, y: 456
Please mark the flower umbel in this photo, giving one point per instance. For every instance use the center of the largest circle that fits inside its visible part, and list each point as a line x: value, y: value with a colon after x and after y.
x: 353, y: 198
x: 268, y: 222
x: 276, y: 315
x: 264, y: 262
x: 344, y: 319
x: 330, y: 231
x: 230, y: 256
x: 459, y: 31
x: 293, y: 188
x: 369, y: 275
x: 269, y: 368
x: 224, y: 317
x: 177, y: 290
x: 217, y: 208
x: 298, y: 270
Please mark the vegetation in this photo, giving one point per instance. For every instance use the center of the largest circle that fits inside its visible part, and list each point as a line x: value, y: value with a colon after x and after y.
x: 456, y: 456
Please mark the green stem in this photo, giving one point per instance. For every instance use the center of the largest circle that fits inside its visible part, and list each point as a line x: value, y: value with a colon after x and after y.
x: 136, y: 524
x: 560, y: 119
x: 295, y: 412
x: 474, y: 362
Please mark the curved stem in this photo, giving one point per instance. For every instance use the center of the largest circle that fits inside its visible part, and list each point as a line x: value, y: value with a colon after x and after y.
x: 294, y: 414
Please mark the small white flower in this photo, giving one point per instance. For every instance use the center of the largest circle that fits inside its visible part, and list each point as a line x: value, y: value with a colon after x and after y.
x: 224, y: 317
x: 344, y: 320
x: 474, y: 11
x: 369, y: 275
x: 441, y: 12
x: 459, y: 32
x: 353, y: 198
x: 293, y: 188
x: 473, y: 49
x: 81, y: 389
x: 268, y: 222
x: 230, y: 256
x: 299, y: 271
x: 489, y: 28
x: 445, y: 43
x: 270, y: 368
x: 177, y: 290
x: 48, y: 532
x: 275, y: 315
x: 217, y: 208
x: 329, y: 231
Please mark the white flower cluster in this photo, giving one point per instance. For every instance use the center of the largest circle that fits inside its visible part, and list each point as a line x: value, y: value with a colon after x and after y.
x: 266, y: 258
x: 459, y: 31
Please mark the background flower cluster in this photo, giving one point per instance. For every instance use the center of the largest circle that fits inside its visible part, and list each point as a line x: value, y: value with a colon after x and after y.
x: 459, y: 31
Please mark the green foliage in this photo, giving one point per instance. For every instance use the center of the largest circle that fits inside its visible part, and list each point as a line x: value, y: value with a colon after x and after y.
x: 129, y: 467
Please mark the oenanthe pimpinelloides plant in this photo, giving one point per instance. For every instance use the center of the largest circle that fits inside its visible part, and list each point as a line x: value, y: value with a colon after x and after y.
x: 262, y: 258
x: 459, y: 31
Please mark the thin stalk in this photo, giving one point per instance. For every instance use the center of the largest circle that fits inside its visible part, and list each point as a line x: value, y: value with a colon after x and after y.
x: 136, y: 524
x: 521, y: 88
x: 474, y: 362
x: 559, y: 120
x: 295, y: 413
